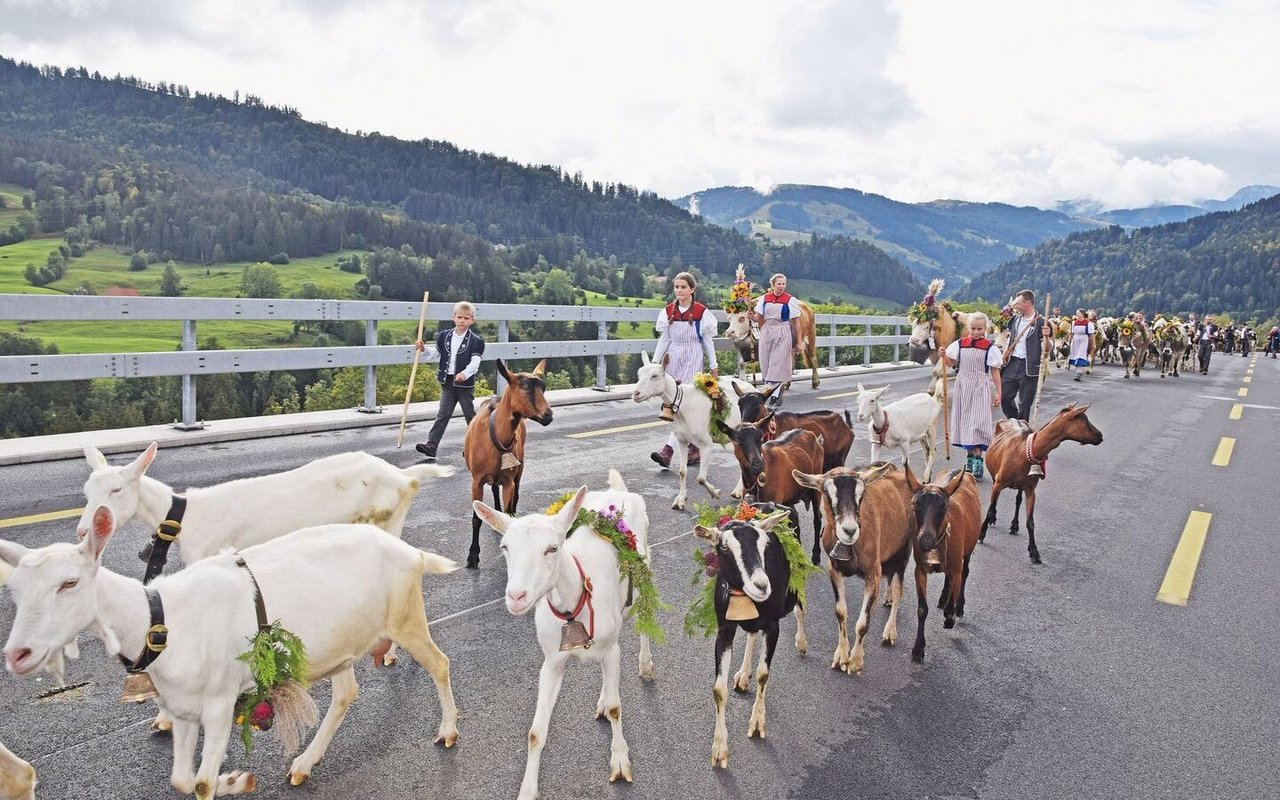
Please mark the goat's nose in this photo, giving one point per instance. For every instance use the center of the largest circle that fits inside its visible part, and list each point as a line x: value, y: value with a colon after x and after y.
x: 517, y: 598
x: 761, y: 583
x: 13, y: 658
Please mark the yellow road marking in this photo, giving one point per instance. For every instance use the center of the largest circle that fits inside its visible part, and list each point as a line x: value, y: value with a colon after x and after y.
x: 1176, y: 587
x: 1246, y: 379
x: 607, y: 431
x: 834, y: 396
x: 1237, y: 410
x: 1223, y: 456
x: 1243, y: 393
x: 66, y: 513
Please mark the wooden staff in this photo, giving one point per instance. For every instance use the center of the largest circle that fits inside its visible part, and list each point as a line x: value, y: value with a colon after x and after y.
x: 413, y: 372
x: 946, y: 426
x: 1035, y: 408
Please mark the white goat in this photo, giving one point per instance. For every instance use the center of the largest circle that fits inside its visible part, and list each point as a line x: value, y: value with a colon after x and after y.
x: 542, y: 562
x: 692, y: 423
x: 900, y: 424
x: 17, y: 777
x: 340, y: 588
x: 347, y: 487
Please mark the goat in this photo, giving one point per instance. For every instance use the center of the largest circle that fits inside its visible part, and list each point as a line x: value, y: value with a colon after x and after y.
x: 866, y: 531
x: 835, y: 429
x: 766, y: 466
x: 545, y: 561
x: 343, y: 488
x: 692, y: 422
x: 489, y: 460
x: 947, y: 520
x: 340, y: 588
x: 752, y: 563
x: 900, y: 424
x: 17, y: 777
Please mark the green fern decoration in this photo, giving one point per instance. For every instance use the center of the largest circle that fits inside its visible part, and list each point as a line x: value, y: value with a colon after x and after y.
x: 275, y: 656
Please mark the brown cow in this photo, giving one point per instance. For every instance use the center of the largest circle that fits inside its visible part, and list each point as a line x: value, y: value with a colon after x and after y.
x: 867, y: 530
x: 947, y: 515
x: 493, y: 446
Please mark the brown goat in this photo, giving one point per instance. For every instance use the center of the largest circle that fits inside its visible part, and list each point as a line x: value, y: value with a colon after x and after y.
x: 867, y: 530
x: 836, y: 430
x: 948, y: 515
x: 493, y: 447
x: 767, y: 466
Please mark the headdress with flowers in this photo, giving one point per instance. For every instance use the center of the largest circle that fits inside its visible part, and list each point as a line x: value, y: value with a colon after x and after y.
x: 708, y: 385
x: 701, y: 616
x: 610, y: 526
x: 928, y: 309
x: 740, y: 293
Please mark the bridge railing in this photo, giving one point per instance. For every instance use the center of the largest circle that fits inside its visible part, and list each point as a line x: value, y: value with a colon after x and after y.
x: 190, y: 362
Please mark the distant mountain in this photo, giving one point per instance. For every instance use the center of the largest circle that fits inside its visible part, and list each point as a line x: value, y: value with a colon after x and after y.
x: 948, y: 238
x: 1160, y: 215
x: 1225, y: 261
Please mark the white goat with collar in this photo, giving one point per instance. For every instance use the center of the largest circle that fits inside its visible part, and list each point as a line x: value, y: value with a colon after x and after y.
x: 340, y: 588
x: 911, y: 419
x: 543, y: 571
x: 692, y: 423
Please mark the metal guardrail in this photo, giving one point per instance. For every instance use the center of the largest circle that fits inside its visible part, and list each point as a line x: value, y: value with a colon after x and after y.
x: 190, y: 362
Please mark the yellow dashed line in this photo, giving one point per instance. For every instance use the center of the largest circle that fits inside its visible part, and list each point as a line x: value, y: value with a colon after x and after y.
x: 1176, y: 587
x: 1222, y: 457
x: 835, y: 396
x: 67, y: 513
x: 1246, y: 379
x: 1237, y: 410
x: 1243, y: 393
x: 607, y: 431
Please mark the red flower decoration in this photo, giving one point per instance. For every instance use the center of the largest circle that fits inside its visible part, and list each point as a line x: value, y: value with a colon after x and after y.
x: 630, y: 539
x: 262, y: 716
x: 713, y: 563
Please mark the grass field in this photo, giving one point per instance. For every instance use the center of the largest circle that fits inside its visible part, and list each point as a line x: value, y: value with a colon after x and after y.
x: 12, y: 204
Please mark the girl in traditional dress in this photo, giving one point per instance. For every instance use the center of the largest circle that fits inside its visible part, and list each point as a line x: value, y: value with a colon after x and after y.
x: 977, y: 390
x: 778, y: 315
x: 685, y: 332
x: 1082, y: 330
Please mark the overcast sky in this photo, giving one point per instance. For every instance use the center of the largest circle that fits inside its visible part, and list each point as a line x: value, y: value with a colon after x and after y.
x: 1020, y: 101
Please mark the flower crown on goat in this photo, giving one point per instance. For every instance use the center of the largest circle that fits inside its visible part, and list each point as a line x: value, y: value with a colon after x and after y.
x: 740, y: 293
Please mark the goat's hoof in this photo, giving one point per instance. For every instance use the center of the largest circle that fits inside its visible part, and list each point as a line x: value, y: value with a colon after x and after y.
x: 237, y: 782
x: 802, y: 645
x: 714, y: 492
x: 678, y: 505
x: 755, y: 727
x: 620, y: 767
x: 889, y: 640
x: 389, y: 660
x: 298, y: 778
x: 949, y: 623
x: 917, y: 656
x: 1035, y: 558
x: 735, y: 495
x: 720, y: 755
x: 161, y: 724
x: 447, y: 738
x: 473, y: 562
x: 648, y: 673
x: 741, y: 685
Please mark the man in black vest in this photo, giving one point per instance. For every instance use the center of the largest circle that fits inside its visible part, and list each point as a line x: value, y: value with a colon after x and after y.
x: 1206, y: 333
x: 1028, y: 332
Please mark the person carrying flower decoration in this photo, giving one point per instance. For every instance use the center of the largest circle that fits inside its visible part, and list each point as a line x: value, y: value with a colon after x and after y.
x: 1082, y: 330
x: 977, y: 391
x: 778, y: 315
x: 685, y: 331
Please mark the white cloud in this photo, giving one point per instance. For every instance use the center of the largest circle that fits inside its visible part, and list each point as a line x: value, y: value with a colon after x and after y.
x: 1126, y: 104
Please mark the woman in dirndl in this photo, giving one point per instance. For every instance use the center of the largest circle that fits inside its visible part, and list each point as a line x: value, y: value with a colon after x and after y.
x: 1082, y: 330
x: 976, y: 392
x: 685, y: 332
x: 778, y: 315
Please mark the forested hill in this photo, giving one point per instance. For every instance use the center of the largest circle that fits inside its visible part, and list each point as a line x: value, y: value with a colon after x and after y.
x: 1228, y: 262
x: 76, y: 123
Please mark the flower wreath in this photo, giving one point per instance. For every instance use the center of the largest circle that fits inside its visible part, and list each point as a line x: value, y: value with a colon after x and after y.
x: 928, y: 309
x: 709, y: 386
x: 610, y: 526
x: 739, y: 294
x: 701, y: 616
x: 1127, y: 327
x: 278, y: 663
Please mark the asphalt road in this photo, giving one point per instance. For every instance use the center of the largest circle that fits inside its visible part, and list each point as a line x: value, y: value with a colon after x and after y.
x: 1068, y: 679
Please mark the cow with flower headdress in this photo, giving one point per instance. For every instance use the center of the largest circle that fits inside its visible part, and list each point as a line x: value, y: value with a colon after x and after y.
x: 745, y: 336
x: 934, y: 326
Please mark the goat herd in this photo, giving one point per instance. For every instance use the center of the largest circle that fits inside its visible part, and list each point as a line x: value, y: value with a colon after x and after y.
x: 311, y: 546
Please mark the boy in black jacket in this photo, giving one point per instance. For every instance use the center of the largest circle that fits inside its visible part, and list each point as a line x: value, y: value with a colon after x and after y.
x: 458, y: 350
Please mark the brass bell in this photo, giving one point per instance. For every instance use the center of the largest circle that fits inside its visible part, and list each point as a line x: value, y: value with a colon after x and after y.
x: 842, y: 551
x: 574, y: 635
x: 740, y: 608
x: 933, y: 560
x: 137, y: 688
x: 509, y: 461
x: 667, y: 414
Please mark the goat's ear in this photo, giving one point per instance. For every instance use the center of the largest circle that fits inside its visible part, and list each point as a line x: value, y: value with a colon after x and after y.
x: 502, y: 370
x: 95, y: 458
x: 566, y: 515
x: 806, y: 480
x: 644, y: 358
x: 860, y: 388
x: 736, y: 388
x: 882, y: 390
x: 711, y: 535
x: 11, y: 553
x: 492, y: 517
x: 773, y: 387
x: 541, y: 369
x: 953, y: 485
x: 877, y: 471
x: 100, y: 530
x: 726, y: 429
x: 138, y: 467
x: 666, y: 360
x: 913, y: 483
x: 767, y: 523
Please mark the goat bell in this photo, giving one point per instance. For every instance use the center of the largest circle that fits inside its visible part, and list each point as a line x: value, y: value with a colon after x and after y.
x: 842, y: 551
x: 509, y: 461
x: 740, y: 608
x: 137, y: 688
x: 933, y: 560
x: 574, y: 635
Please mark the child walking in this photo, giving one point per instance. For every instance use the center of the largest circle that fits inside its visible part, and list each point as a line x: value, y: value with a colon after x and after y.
x: 459, y: 350
x: 685, y: 331
x: 977, y: 391
x: 1082, y: 330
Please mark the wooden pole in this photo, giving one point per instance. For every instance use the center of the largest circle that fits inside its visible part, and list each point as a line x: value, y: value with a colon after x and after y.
x: 1035, y: 408
x: 413, y: 372
x: 946, y: 426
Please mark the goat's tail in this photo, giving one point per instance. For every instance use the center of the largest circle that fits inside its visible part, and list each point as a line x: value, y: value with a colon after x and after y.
x: 848, y: 420
x: 615, y: 481
x: 437, y: 565
x: 421, y: 472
